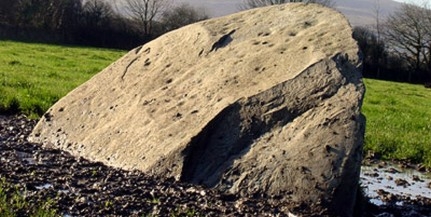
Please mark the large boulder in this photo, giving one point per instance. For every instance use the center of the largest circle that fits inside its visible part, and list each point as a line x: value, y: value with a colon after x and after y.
x: 263, y: 102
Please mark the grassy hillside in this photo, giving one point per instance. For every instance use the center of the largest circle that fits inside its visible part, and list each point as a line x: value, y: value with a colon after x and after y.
x: 34, y: 76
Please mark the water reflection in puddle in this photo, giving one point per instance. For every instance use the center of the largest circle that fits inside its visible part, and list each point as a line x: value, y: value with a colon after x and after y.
x: 25, y: 157
x: 394, y: 180
x: 45, y: 186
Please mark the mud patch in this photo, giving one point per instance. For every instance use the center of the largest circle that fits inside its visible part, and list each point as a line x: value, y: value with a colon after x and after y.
x: 394, y: 180
x: 396, y: 191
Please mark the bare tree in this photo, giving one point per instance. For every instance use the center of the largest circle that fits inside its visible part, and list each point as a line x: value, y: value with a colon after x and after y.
x: 97, y: 13
x: 7, y: 11
x: 247, y: 4
x: 181, y: 15
x: 428, y: 44
x: 378, y: 27
x: 47, y: 14
x: 407, y: 31
x: 145, y: 12
x: 373, y: 50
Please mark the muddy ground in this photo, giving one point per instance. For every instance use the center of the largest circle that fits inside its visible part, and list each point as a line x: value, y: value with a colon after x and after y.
x: 79, y: 187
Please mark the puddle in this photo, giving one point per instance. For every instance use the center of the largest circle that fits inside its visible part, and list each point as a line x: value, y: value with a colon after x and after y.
x: 25, y: 157
x: 45, y: 186
x: 396, y: 181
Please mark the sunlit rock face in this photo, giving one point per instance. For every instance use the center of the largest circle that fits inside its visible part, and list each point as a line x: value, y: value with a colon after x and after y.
x: 264, y: 102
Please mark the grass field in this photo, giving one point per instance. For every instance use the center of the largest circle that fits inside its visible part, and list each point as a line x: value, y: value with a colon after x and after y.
x: 34, y: 76
x: 398, y: 121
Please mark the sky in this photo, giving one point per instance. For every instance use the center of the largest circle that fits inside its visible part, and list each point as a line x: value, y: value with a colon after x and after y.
x: 418, y: 2
x: 359, y: 12
x: 217, y: 8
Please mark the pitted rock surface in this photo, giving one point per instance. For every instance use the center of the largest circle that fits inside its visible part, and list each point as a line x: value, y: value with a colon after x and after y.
x: 263, y: 102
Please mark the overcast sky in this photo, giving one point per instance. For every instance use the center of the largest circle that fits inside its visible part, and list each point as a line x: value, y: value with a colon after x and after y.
x: 217, y: 8
x: 359, y: 12
x: 419, y: 2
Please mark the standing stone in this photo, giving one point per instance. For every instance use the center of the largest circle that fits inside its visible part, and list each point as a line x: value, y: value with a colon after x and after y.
x: 263, y: 102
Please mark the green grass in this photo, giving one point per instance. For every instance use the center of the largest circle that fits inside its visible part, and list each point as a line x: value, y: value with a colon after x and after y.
x: 34, y: 76
x: 13, y: 203
x: 398, y: 121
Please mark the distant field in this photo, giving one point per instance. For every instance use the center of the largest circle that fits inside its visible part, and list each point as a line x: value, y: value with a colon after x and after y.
x: 35, y: 76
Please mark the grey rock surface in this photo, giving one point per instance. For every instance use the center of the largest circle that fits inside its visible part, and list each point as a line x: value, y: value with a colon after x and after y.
x: 249, y: 104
